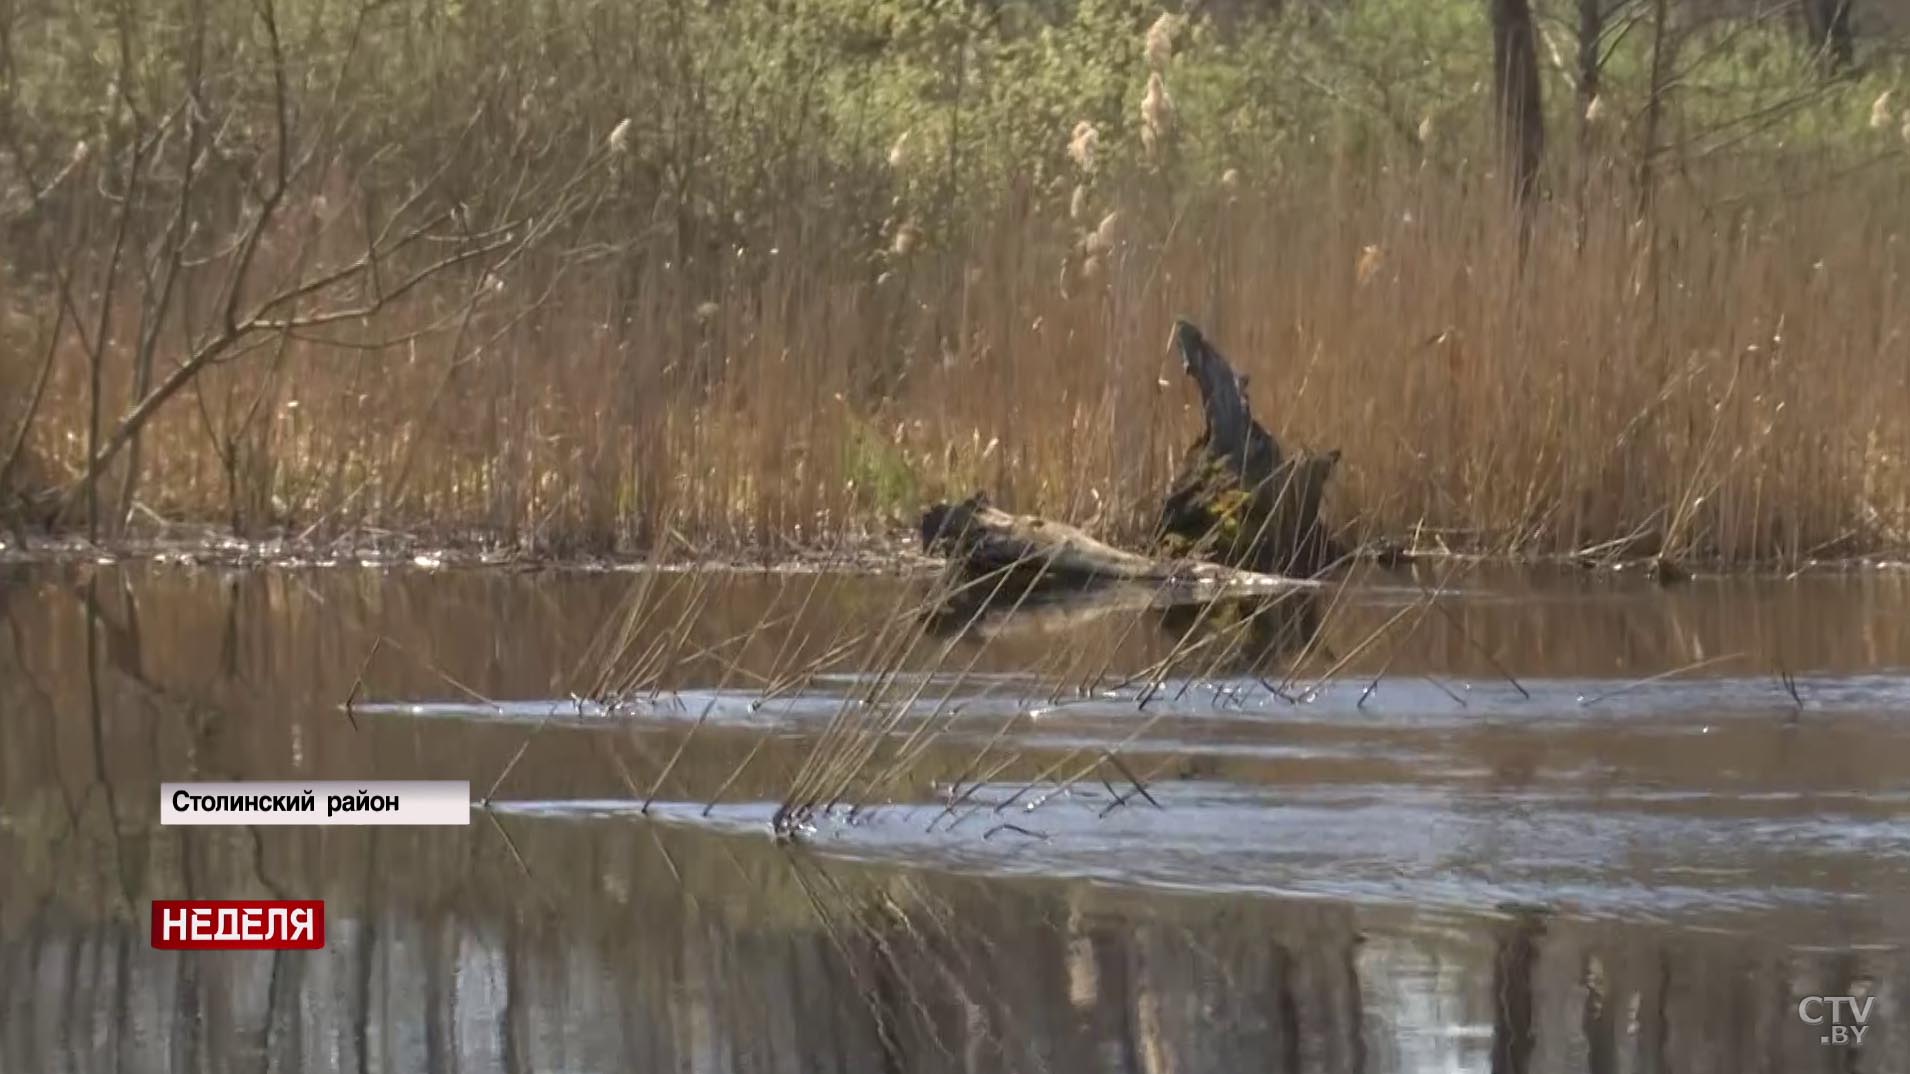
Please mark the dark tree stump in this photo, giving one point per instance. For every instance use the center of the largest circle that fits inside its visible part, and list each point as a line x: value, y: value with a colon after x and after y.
x: 1238, y: 499
x: 1246, y: 509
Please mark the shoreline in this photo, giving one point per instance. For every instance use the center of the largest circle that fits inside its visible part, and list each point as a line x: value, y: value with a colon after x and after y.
x: 894, y: 554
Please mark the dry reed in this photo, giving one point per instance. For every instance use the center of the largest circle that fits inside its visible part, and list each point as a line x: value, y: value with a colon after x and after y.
x: 1728, y: 386
x: 1721, y: 376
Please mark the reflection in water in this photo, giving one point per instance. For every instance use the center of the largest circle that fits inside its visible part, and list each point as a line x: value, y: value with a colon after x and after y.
x: 1512, y: 967
x: 605, y: 940
x: 1233, y: 635
x: 673, y: 950
x: 1246, y: 635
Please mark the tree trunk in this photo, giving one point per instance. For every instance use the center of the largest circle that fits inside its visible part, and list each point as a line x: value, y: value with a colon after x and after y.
x: 1515, y: 75
x: 1591, y: 71
x: 1661, y: 45
x: 1827, y: 22
x: 1591, y: 60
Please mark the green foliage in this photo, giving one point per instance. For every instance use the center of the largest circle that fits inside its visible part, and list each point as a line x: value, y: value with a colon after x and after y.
x: 736, y: 104
x: 1749, y: 87
x: 878, y: 470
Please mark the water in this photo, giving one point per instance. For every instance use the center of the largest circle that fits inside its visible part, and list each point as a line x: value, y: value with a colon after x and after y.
x: 1568, y: 821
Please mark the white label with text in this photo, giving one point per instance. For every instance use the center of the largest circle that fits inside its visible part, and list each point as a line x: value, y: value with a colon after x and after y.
x: 426, y: 802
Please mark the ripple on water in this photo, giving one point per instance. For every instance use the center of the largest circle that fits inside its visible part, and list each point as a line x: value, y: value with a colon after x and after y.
x: 1637, y: 856
x: 1385, y: 703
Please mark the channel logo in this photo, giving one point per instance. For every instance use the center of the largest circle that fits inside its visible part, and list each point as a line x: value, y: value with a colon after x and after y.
x: 238, y: 924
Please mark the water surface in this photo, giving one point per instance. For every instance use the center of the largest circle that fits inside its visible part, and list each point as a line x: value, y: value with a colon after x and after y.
x: 1562, y: 821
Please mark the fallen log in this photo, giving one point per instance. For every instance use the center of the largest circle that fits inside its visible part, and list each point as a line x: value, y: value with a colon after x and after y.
x: 1018, y: 575
x: 1024, y: 552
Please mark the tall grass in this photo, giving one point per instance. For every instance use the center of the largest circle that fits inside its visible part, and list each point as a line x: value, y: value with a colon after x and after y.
x: 828, y: 280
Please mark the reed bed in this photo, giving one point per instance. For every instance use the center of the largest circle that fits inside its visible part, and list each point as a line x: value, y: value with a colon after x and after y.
x: 651, y: 340
x: 1741, y: 400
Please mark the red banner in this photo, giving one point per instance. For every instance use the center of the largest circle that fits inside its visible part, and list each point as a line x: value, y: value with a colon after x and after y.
x: 238, y: 924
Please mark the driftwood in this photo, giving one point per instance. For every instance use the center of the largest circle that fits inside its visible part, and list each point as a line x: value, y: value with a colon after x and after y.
x: 1022, y: 551
x: 1241, y: 514
x: 1021, y: 576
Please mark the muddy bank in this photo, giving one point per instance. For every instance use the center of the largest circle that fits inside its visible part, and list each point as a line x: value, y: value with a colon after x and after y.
x: 897, y: 551
x: 891, y: 553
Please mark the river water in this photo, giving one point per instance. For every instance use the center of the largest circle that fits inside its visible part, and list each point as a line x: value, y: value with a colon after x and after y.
x: 1537, y: 820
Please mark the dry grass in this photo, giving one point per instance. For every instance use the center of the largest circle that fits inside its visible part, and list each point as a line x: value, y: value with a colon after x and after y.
x: 1728, y: 383
x: 632, y: 335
